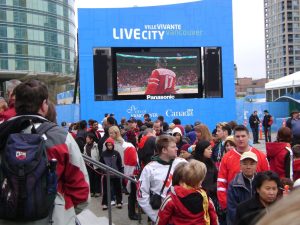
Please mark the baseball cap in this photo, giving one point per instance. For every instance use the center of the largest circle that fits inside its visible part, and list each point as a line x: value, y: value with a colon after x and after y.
x: 266, y: 111
x: 249, y: 155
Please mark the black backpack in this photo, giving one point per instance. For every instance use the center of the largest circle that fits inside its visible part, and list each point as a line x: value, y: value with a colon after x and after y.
x: 28, y: 180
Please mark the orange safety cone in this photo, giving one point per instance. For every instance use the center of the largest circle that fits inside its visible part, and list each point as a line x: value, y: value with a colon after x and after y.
x: 260, y: 132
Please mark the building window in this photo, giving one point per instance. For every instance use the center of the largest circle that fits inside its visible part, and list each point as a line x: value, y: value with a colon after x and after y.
x: 2, y: 15
x: 53, y: 67
x: 3, y: 31
x: 21, y: 3
x: 53, y: 52
x: 21, y: 64
x: 269, y: 95
x: 51, y: 7
x: 51, y: 22
x: 290, y: 90
x: 282, y: 92
x: 4, y: 64
x: 21, y: 49
x: 50, y: 36
x: 20, y: 33
x: 20, y: 17
x: 275, y: 94
x: 3, y: 47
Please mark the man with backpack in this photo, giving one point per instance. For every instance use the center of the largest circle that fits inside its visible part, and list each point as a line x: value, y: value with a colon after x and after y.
x: 43, y: 177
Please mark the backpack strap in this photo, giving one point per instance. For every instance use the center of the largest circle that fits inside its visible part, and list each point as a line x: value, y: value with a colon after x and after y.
x: 44, y: 127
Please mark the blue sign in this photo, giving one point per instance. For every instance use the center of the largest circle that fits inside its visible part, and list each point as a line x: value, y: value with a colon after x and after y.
x: 205, y: 23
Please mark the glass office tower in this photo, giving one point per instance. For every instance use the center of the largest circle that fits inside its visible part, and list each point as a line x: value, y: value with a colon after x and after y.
x: 37, y: 38
x: 282, y: 34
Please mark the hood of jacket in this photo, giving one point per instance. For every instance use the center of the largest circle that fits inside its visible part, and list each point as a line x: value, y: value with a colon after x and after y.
x: 275, y: 148
x: 16, y: 125
x: 188, y: 202
x: 159, y: 160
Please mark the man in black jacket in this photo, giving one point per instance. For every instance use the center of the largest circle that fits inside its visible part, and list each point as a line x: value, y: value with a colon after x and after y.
x: 267, y: 123
x: 254, y: 122
x: 294, y: 124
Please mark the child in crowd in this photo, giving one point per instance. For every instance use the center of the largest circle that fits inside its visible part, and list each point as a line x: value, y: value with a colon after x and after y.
x: 112, y: 158
x: 91, y: 150
x: 188, y: 203
x: 296, y: 162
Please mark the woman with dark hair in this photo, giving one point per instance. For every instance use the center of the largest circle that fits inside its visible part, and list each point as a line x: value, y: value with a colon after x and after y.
x: 91, y: 150
x: 203, y: 153
x: 267, y: 186
x: 279, y: 153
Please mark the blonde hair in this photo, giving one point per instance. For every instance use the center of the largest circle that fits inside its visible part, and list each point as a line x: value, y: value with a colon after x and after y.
x: 194, y: 173
x: 284, y: 211
x: 116, y: 130
x: 163, y: 141
x: 177, y: 174
x: 205, y: 133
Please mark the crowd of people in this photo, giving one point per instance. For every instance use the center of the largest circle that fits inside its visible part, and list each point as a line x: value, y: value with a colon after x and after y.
x: 185, y: 174
x: 137, y: 77
x: 239, y: 180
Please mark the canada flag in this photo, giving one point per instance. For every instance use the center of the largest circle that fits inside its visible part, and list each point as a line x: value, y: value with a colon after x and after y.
x: 20, y: 155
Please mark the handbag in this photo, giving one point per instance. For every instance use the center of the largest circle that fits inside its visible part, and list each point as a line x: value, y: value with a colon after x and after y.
x: 156, y: 199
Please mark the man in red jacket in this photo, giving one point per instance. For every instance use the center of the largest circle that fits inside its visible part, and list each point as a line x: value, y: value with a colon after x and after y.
x: 73, y: 183
x: 230, y: 166
x: 162, y: 80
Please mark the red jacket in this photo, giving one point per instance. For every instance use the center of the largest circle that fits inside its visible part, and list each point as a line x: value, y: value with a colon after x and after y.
x: 188, y: 207
x: 161, y: 81
x: 296, y: 169
x: 230, y: 167
x: 73, y: 183
x: 7, y: 114
x: 276, y: 153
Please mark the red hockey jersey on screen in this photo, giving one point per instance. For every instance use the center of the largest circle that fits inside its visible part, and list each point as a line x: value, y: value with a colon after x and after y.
x: 161, y: 81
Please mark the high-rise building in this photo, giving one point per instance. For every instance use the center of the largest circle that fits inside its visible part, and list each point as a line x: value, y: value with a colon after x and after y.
x: 37, y: 39
x: 282, y: 37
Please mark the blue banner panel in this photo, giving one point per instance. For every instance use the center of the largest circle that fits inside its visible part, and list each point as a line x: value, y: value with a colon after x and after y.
x: 206, y: 23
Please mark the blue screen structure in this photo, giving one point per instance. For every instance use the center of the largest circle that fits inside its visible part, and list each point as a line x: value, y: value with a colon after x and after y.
x: 172, y: 60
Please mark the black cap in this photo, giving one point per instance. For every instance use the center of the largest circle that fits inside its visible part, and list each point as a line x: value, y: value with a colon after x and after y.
x: 266, y: 111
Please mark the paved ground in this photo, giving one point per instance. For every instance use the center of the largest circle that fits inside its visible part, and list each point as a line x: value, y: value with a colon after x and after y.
x: 120, y: 216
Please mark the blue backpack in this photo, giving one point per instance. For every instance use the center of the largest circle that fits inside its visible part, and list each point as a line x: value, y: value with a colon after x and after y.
x: 28, y: 182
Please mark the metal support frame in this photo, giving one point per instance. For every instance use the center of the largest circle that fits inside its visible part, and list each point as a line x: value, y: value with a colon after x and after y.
x: 110, y: 171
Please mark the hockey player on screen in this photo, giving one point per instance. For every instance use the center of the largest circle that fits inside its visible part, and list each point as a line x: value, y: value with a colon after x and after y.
x: 162, y: 80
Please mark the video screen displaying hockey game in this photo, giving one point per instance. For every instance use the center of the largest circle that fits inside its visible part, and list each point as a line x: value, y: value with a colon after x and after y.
x: 158, y: 72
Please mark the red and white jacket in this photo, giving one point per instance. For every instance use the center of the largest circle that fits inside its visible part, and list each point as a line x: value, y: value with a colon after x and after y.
x: 73, y: 184
x: 230, y: 167
x: 161, y: 81
x: 130, y: 161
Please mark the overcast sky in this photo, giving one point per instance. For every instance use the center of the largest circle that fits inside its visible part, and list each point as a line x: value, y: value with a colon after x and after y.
x: 248, y: 31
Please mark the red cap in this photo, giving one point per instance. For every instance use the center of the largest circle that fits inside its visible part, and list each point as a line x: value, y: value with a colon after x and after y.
x: 110, y: 140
